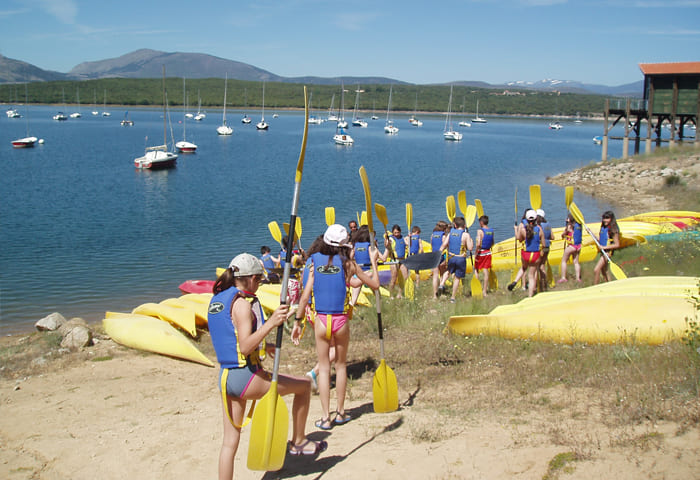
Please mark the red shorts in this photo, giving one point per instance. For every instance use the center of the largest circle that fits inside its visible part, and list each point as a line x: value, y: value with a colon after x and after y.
x: 483, y: 260
x: 529, y: 257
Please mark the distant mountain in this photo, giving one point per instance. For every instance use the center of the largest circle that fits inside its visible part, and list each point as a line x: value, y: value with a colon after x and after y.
x: 16, y: 71
x: 635, y: 89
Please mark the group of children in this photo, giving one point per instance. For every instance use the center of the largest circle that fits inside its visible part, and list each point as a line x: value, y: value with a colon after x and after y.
x: 335, y: 267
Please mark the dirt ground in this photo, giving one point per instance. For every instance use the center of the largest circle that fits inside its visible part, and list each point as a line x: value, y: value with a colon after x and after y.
x: 112, y: 413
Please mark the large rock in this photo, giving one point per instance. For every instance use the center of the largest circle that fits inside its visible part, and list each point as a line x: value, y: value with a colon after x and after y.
x: 70, y: 324
x: 50, y: 323
x: 77, y: 337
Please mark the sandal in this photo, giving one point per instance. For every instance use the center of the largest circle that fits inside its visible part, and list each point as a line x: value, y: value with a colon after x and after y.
x: 318, y: 447
x: 324, y: 424
x: 340, y: 419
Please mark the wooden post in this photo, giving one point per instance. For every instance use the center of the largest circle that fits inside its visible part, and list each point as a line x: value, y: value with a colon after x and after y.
x: 626, y: 139
x: 674, y: 112
x: 604, y: 150
x: 650, y: 116
x: 697, y: 119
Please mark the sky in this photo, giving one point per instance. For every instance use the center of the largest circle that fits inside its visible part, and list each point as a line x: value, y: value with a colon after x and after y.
x: 422, y: 42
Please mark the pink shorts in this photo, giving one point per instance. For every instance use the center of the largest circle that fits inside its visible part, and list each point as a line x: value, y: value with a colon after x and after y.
x: 337, y: 321
x: 529, y: 257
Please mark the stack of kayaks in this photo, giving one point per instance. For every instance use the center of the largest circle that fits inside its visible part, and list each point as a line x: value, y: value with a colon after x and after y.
x: 158, y: 327
x: 649, y: 310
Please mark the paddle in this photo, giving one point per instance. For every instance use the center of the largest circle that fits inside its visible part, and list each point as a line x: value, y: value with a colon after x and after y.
x: 535, y: 197
x: 330, y: 216
x: 450, y: 208
x: 270, y: 424
x: 275, y: 232
x: 479, y: 207
x: 578, y: 217
x: 385, y: 390
x: 409, y: 288
x: 493, y: 278
x: 514, y: 272
x: 568, y: 195
x: 469, y: 212
x: 382, y: 216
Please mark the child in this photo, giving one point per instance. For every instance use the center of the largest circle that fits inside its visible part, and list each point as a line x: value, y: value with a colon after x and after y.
x: 533, y: 237
x: 572, y: 235
x: 269, y: 263
x: 415, y: 246
x: 459, y: 243
x: 438, y: 243
x: 484, y: 242
x: 331, y: 272
x: 398, y: 244
x: 609, y: 241
x: 544, y: 252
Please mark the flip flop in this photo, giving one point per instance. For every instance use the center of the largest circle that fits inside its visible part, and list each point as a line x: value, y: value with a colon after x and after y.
x: 298, y: 450
x: 341, y: 419
x: 322, y: 422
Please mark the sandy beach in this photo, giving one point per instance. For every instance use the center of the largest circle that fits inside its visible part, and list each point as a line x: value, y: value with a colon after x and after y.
x: 109, y: 412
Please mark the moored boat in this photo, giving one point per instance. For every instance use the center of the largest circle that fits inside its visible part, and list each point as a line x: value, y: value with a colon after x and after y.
x: 26, y: 142
x: 158, y: 157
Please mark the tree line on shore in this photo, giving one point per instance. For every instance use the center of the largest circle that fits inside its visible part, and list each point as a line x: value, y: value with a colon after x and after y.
x: 242, y: 94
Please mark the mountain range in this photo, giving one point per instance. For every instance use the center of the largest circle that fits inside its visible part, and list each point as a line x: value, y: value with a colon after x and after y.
x: 145, y: 63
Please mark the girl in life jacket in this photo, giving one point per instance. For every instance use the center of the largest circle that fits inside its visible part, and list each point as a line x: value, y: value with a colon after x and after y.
x: 573, y: 236
x: 331, y: 272
x: 238, y: 329
x: 397, y: 245
x: 533, y: 237
x: 609, y: 241
x: 438, y: 242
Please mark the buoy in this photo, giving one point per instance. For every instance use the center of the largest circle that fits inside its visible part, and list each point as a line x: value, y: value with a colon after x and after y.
x: 41, y: 141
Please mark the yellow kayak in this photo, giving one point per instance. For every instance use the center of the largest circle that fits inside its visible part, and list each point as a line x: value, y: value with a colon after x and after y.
x: 179, y: 317
x: 151, y: 334
x: 200, y: 310
x: 593, y: 317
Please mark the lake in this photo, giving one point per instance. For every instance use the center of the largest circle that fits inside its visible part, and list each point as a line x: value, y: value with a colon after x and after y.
x: 83, y: 232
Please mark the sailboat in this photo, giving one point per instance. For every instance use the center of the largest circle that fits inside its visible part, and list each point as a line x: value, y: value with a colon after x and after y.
x: 200, y: 114
x: 413, y: 120
x: 332, y: 117
x: 357, y: 121
x: 464, y: 122
x: 60, y: 116
x: 94, y: 103
x: 77, y: 114
x: 26, y: 142
x: 224, y: 129
x: 262, y: 124
x: 246, y: 119
x: 184, y: 146
x: 478, y: 119
x: 105, y: 113
x: 313, y: 119
x: 158, y: 157
x: 126, y: 122
x: 389, y: 126
x: 450, y: 133
x: 341, y: 114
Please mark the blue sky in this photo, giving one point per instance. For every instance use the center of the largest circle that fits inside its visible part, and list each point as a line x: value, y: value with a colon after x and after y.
x: 598, y: 42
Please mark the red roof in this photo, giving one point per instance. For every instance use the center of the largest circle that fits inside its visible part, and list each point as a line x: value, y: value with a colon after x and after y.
x: 670, y: 68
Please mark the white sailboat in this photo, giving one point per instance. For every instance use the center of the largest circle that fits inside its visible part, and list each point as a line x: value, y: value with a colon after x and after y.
x: 94, y: 103
x: 357, y: 121
x: 200, y: 114
x: 77, y: 114
x: 332, y: 117
x: 341, y: 114
x: 126, y: 121
x: 464, y: 122
x: 28, y: 141
x: 105, y: 113
x: 313, y: 119
x: 413, y: 120
x: 158, y: 157
x: 60, y: 116
x: 450, y: 133
x: 224, y: 129
x: 342, y: 137
x: 184, y: 146
x: 477, y: 118
x: 246, y: 119
x: 262, y: 124
x: 389, y: 127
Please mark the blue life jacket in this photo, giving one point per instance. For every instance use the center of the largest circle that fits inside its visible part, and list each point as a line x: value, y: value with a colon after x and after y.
x: 362, y: 255
x: 487, y: 241
x: 578, y: 233
x: 436, y: 239
x: 399, y: 246
x: 533, y: 245
x: 223, y: 333
x: 604, y: 235
x: 415, y: 243
x: 331, y: 294
x: 268, y: 263
x: 455, y: 245
x: 547, y: 230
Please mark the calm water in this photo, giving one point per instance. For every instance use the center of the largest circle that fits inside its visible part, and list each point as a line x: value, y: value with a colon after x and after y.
x: 82, y: 231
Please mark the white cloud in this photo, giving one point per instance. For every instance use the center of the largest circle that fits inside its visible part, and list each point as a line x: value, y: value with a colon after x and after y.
x: 65, y: 11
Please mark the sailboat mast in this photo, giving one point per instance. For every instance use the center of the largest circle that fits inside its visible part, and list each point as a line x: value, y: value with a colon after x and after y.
x: 225, y: 88
x: 165, y: 130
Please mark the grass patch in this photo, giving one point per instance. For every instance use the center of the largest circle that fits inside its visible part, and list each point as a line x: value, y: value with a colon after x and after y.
x: 560, y: 463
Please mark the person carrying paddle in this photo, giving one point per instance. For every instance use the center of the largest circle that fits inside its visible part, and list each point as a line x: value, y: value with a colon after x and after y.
x: 573, y: 236
x: 238, y: 329
x: 609, y: 240
x: 533, y: 237
x: 331, y: 272
x: 484, y: 242
x: 438, y: 243
x: 398, y: 244
x: 522, y: 269
x: 459, y: 243
x: 269, y: 263
x: 544, y: 251
x: 415, y: 246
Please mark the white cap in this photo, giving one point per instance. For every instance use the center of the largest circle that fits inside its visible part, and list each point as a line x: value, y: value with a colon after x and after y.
x: 540, y: 212
x: 336, y: 236
x: 246, y: 264
x: 531, y: 215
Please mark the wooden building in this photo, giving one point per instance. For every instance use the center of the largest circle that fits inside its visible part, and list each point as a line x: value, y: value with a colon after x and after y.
x: 671, y: 99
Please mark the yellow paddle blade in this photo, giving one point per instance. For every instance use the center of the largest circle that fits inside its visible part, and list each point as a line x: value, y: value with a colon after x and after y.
x: 275, y: 231
x: 380, y: 210
x: 363, y: 218
x: 535, y: 197
x: 462, y: 201
x: 297, y: 229
x: 409, y: 289
x: 409, y: 216
x: 568, y: 195
x: 479, y: 207
x: 268, y: 432
x: 451, y: 208
x: 477, y: 289
x: 550, y: 276
x: 330, y: 216
x: 617, y: 271
x: 368, y: 198
x: 302, y: 154
x: 470, y: 215
x: 576, y: 213
x: 285, y: 225
x: 493, y: 281
x: 385, y: 390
